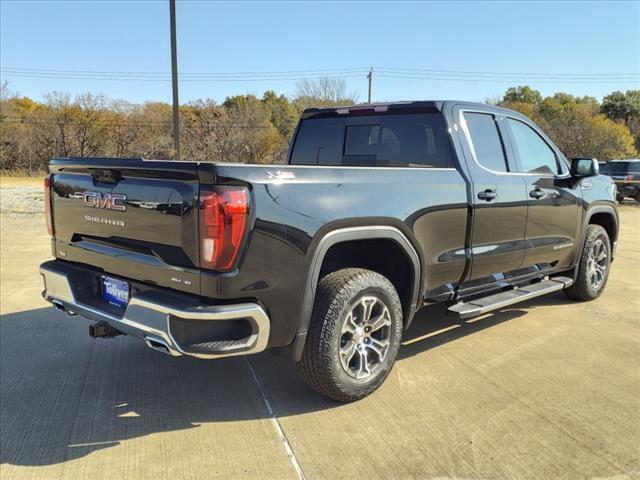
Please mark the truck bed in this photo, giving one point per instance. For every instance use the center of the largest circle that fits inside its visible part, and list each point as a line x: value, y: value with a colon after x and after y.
x: 290, y: 208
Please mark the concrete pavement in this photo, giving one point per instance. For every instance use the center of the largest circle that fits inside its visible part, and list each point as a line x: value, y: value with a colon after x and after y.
x: 547, y: 389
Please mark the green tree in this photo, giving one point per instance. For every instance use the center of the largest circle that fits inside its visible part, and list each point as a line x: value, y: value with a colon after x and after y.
x: 522, y: 94
x: 624, y: 107
x: 284, y: 115
x: 575, y: 124
x: 255, y: 138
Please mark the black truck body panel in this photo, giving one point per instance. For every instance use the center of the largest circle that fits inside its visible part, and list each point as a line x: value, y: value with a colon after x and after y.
x: 456, y: 243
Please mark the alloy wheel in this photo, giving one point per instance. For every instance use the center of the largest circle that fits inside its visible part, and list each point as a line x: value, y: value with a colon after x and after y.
x: 365, y: 337
x: 597, y: 264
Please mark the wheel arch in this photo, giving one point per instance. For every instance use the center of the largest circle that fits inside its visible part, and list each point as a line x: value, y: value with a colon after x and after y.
x: 342, y: 236
x: 607, y: 217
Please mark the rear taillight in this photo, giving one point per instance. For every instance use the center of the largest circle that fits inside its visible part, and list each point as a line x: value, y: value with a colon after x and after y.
x: 47, y: 204
x: 223, y: 218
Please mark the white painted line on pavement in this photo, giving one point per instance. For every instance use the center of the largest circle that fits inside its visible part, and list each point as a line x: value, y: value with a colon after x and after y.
x: 276, y: 424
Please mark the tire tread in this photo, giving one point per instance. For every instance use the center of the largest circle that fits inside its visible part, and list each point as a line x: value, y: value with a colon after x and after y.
x: 316, y: 365
x: 580, y: 289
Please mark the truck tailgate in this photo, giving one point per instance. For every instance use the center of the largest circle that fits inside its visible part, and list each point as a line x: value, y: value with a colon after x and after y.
x: 131, y: 218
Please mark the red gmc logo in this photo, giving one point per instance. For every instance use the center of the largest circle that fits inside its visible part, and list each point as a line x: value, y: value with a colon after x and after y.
x: 108, y: 201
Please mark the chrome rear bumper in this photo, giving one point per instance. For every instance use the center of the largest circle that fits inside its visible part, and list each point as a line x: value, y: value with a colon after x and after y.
x: 172, y: 323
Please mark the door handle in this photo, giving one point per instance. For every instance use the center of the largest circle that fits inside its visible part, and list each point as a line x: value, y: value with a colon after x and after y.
x: 488, y: 195
x: 537, y: 193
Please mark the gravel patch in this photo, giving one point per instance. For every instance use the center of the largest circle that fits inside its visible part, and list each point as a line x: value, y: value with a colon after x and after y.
x: 18, y: 201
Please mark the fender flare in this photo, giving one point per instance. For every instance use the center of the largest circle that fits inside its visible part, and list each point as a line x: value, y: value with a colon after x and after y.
x: 335, y: 237
x: 609, y: 209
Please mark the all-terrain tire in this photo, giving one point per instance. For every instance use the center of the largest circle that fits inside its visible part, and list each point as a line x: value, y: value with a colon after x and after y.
x: 337, y: 295
x: 584, y: 288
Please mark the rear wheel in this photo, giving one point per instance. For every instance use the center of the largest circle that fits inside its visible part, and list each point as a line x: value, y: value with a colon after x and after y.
x: 593, y: 269
x: 354, y: 335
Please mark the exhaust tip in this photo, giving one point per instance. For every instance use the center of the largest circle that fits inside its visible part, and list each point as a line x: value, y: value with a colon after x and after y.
x: 157, y: 345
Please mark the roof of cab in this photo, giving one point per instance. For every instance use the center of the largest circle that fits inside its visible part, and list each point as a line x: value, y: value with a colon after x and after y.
x: 419, y: 106
x: 369, y: 108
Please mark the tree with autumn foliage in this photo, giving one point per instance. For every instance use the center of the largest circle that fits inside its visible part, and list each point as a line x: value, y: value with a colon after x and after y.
x: 578, y: 125
x: 251, y: 129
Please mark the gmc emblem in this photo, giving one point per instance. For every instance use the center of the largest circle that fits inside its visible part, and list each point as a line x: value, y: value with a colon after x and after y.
x: 108, y: 201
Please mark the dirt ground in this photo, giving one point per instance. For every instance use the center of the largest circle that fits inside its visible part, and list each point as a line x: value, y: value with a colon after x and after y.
x: 546, y: 389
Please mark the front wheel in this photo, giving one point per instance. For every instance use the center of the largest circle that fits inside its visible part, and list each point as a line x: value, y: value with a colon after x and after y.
x: 593, y: 269
x: 354, y: 335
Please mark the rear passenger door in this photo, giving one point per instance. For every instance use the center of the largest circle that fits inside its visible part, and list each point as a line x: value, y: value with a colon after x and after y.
x: 554, y: 215
x: 498, y: 195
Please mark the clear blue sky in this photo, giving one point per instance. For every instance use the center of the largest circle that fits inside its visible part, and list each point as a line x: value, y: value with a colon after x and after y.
x: 524, y: 38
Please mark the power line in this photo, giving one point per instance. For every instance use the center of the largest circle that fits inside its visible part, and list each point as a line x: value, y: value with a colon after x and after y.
x: 168, y: 79
x: 290, y: 75
x: 166, y: 76
x: 134, y: 123
x: 508, y: 80
x: 316, y: 71
x: 493, y: 73
x: 312, y: 71
x: 380, y: 75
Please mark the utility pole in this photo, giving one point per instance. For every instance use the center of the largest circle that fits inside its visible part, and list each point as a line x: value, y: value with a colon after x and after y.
x: 370, y: 78
x: 174, y: 79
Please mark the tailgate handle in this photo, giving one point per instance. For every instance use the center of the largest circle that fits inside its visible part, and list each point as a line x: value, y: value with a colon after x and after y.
x: 106, y: 176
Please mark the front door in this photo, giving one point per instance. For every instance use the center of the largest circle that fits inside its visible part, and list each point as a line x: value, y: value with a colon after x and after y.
x: 499, y: 200
x: 554, y: 213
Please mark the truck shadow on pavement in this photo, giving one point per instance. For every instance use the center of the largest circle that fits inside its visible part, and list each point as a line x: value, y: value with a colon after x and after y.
x: 64, y: 395
x: 432, y: 326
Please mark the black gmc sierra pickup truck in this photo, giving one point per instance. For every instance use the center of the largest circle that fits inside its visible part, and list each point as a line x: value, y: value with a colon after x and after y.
x: 379, y: 210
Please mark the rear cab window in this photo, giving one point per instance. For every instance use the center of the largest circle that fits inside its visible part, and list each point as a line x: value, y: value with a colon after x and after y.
x: 416, y: 140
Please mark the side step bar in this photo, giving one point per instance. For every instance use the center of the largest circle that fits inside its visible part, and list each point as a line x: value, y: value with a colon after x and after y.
x: 480, y: 306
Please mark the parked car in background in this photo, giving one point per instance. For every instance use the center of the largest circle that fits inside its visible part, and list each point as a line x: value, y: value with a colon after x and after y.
x: 626, y: 174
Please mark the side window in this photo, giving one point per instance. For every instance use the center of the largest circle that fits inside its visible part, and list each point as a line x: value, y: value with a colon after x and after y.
x: 486, y: 141
x: 535, y: 155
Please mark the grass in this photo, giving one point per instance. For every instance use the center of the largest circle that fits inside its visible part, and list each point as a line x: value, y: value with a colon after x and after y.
x: 21, y: 181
